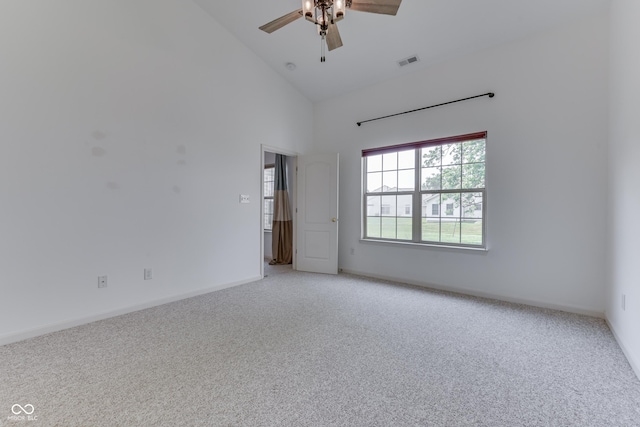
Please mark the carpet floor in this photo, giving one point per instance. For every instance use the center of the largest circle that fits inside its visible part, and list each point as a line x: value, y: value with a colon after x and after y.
x: 298, y: 349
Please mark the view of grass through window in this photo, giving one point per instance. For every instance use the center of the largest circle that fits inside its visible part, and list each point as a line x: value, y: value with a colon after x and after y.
x: 431, y: 192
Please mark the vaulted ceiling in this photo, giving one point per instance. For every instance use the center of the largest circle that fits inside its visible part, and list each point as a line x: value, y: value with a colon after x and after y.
x: 434, y: 30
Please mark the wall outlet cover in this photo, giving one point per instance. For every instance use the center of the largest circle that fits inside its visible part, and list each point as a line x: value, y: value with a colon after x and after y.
x: 102, y: 281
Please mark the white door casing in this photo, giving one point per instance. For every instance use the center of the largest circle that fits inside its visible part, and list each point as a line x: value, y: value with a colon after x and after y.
x: 317, y: 216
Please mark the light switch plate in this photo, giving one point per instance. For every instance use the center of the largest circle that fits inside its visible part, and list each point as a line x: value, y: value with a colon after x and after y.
x: 244, y: 198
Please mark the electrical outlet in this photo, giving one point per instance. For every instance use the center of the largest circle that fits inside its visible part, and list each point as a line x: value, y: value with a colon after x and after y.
x: 148, y: 274
x: 352, y: 251
x: 623, y: 303
x: 102, y: 281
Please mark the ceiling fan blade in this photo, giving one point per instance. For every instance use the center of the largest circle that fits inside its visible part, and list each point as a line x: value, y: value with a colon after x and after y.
x: 334, y: 40
x: 278, y: 23
x: 386, y: 7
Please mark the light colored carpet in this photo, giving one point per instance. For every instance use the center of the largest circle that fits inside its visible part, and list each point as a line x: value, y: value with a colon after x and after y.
x: 300, y: 349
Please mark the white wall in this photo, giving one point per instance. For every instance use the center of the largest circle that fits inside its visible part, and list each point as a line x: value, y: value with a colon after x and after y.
x: 624, y: 177
x: 547, y: 133
x: 129, y: 129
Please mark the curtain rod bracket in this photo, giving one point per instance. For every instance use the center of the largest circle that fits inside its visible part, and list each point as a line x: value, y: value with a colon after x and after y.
x: 489, y: 94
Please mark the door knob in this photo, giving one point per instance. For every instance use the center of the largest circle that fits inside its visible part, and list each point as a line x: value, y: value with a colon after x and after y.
x: 334, y: 219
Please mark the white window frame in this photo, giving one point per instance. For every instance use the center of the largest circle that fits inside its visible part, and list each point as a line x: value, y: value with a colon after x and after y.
x: 417, y: 197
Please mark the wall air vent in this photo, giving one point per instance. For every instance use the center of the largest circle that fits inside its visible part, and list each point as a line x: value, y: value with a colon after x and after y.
x: 408, y: 61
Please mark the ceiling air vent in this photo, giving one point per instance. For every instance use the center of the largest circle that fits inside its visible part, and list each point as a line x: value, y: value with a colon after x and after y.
x: 408, y: 61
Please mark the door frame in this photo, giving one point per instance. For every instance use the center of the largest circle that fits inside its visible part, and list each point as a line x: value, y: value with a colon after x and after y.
x: 292, y: 193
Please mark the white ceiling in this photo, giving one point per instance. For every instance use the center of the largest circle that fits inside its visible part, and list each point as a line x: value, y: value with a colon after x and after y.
x: 434, y: 30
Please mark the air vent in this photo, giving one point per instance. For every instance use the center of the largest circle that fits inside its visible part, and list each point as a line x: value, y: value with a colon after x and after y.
x: 408, y: 61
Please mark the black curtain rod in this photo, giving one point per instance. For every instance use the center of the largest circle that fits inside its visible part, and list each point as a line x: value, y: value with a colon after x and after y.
x: 489, y: 94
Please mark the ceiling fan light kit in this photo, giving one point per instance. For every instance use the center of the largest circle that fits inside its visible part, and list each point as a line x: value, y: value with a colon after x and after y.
x: 319, y: 11
x: 326, y: 13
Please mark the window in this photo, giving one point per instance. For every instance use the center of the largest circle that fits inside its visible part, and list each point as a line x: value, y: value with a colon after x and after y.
x: 268, y: 182
x: 449, y: 210
x: 447, y: 172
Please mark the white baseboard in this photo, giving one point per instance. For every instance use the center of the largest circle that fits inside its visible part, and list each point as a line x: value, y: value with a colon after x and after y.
x: 54, y: 327
x: 489, y: 295
x: 633, y: 361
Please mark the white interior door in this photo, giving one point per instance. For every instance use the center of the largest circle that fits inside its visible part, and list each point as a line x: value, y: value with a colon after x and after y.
x: 317, y: 218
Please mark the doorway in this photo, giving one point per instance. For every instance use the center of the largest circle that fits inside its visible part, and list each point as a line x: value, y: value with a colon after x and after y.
x: 268, y: 159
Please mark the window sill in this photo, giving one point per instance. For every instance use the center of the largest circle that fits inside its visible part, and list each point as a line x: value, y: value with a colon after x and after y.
x: 268, y: 231
x: 424, y: 245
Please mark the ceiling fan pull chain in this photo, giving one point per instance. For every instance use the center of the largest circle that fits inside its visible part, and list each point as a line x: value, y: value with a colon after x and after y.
x: 322, y: 53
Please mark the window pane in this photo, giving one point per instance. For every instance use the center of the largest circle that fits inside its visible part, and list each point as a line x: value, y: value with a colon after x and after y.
x: 431, y: 178
x: 406, y: 180
x: 268, y: 189
x: 269, y: 173
x: 268, y: 213
x: 388, y: 207
x: 373, y: 206
x: 431, y: 157
x: 430, y: 229
x: 268, y: 179
x: 451, y: 177
x: 451, y: 205
x: 389, y: 161
x: 389, y: 228
x: 452, y: 154
x: 473, y: 175
x: 431, y: 217
x: 431, y: 205
x: 390, y: 181
x: 471, y: 205
x: 405, y: 229
x: 471, y: 232
x: 373, y: 226
x: 450, y: 231
x: 473, y: 151
x: 404, y: 203
x: 407, y: 159
x: 448, y: 209
x: 374, y: 163
x: 374, y: 182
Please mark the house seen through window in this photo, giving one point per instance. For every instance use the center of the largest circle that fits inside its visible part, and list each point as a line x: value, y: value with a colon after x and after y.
x: 405, y: 186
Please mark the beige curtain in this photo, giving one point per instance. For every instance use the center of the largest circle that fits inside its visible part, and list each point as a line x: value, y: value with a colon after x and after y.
x: 282, y: 229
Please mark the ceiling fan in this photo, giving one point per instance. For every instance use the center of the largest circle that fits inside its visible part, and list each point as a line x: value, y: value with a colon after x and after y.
x: 326, y: 13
